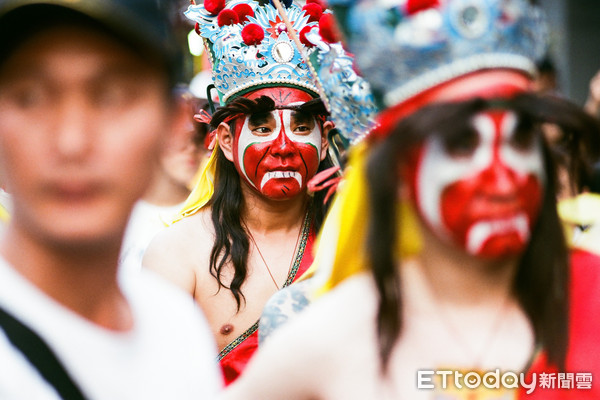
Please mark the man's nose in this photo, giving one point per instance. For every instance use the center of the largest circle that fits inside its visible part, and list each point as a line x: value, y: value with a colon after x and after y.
x: 72, y: 134
x: 282, y: 145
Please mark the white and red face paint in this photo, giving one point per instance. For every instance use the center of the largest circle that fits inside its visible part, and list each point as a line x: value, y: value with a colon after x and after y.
x: 485, y: 201
x: 280, y: 154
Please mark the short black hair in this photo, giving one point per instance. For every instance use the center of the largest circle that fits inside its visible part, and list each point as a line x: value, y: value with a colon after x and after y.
x: 26, y: 22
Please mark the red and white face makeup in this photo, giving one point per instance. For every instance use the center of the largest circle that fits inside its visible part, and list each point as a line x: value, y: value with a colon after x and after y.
x: 484, y: 197
x: 278, y: 151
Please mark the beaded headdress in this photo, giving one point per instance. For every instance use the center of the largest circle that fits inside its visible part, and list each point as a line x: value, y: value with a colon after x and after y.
x: 250, y: 47
x: 349, y: 95
x: 405, y: 47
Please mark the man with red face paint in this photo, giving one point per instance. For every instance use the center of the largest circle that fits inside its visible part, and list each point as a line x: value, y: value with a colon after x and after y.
x: 248, y: 227
x: 264, y: 159
x: 276, y: 150
x: 459, y: 165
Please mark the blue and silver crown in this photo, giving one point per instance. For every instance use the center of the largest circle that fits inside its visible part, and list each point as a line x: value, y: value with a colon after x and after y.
x: 350, y: 100
x: 239, y: 67
x: 405, y: 47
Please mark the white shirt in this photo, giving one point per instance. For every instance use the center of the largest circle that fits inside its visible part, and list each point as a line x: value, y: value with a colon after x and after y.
x: 169, y: 354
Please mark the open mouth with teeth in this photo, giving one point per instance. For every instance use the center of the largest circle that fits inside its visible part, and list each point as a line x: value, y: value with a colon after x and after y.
x: 482, y: 231
x: 281, y: 175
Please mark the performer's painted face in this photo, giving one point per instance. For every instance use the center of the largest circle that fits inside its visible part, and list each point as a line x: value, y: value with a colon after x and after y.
x: 278, y: 151
x: 483, y: 194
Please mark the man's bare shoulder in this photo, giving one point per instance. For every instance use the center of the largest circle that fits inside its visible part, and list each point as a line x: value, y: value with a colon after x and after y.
x: 192, y: 232
x: 182, y: 251
x: 352, y: 302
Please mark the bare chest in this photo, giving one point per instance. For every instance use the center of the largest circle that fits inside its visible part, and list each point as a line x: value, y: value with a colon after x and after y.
x: 227, y: 318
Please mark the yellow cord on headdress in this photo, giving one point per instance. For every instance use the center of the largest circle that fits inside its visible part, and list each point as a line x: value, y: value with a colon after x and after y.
x: 203, y: 189
x: 341, y: 245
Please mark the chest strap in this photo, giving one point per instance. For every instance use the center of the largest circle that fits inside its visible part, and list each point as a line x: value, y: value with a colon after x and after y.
x: 39, y: 354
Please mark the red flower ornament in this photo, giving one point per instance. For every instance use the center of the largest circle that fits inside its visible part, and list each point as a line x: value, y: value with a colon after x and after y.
x: 322, y: 3
x: 414, y: 6
x: 328, y: 28
x: 253, y: 34
x: 314, y: 11
x: 227, y: 17
x: 243, y: 11
x: 214, y: 6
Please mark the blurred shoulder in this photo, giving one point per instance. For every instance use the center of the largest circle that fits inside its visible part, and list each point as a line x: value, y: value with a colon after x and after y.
x: 343, y: 314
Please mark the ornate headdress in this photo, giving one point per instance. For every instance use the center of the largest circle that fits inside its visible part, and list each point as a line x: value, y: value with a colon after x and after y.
x: 250, y: 47
x: 349, y: 95
x: 408, y: 46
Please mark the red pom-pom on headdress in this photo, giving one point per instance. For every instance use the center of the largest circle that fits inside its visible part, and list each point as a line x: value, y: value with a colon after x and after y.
x: 303, y: 38
x: 227, y: 17
x: 214, y: 6
x: 414, y: 6
x: 253, y: 34
x: 243, y: 11
x: 314, y: 11
x: 322, y: 3
x: 328, y: 28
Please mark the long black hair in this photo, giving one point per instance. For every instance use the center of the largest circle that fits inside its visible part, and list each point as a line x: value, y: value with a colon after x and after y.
x: 541, y: 281
x: 231, y: 239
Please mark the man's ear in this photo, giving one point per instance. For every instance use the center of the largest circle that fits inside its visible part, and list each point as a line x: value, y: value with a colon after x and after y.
x: 225, y: 140
x: 327, y: 126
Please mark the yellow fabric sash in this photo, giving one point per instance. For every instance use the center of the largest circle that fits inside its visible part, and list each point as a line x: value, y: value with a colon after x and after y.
x: 341, y: 244
x: 203, y: 189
